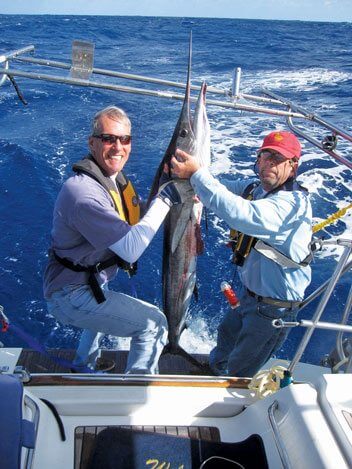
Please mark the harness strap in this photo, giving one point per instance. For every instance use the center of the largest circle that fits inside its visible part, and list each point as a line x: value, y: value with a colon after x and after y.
x: 92, y: 270
x: 279, y: 258
x: 242, y: 244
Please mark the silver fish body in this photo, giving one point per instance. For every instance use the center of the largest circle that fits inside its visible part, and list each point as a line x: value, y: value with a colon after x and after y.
x: 182, y: 232
x: 182, y: 235
x: 182, y: 245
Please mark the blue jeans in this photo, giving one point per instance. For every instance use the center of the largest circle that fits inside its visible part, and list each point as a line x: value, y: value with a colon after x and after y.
x: 88, y: 348
x: 247, y: 339
x: 120, y: 315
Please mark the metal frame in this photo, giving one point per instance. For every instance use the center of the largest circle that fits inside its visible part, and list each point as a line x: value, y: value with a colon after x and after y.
x: 269, y: 102
x: 328, y: 289
x: 339, y: 338
x: 344, y: 264
x: 279, y: 323
x: 316, y: 120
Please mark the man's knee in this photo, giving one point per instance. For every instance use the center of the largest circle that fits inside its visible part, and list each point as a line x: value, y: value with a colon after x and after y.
x: 163, y: 328
x: 158, y: 322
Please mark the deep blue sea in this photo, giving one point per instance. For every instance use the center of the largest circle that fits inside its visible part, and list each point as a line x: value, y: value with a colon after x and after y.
x: 309, y: 63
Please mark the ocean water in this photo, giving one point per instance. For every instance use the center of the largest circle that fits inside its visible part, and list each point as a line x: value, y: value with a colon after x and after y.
x: 306, y: 62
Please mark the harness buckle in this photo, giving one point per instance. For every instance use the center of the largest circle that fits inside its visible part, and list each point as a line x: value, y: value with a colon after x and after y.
x: 316, y: 244
x: 98, y: 268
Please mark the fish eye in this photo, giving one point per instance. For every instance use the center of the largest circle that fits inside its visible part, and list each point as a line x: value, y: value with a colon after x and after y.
x: 183, y: 133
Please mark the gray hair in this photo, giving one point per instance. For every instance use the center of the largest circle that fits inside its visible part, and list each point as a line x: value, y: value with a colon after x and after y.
x: 113, y: 112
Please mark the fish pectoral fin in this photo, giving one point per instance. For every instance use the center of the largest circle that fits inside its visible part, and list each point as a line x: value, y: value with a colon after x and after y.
x: 195, y: 293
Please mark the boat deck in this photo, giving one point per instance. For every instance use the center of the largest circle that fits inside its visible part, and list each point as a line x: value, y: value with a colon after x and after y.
x: 87, y: 439
x: 35, y: 362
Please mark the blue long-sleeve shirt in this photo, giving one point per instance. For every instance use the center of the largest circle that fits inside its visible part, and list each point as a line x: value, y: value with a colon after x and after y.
x: 282, y: 220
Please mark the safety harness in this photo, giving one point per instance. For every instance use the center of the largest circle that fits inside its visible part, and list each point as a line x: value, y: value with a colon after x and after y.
x: 126, y: 203
x: 241, y: 244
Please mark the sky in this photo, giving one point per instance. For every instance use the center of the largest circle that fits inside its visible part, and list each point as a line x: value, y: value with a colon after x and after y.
x: 306, y: 10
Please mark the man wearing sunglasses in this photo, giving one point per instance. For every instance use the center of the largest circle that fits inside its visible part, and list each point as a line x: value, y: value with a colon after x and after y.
x: 96, y: 230
x: 271, y: 221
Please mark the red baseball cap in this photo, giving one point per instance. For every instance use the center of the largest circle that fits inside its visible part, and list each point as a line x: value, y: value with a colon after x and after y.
x: 285, y: 143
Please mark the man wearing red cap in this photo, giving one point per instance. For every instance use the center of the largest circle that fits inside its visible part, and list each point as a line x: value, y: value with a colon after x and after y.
x: 272, y: 217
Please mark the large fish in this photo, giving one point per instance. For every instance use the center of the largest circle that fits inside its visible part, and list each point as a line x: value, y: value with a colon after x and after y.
x: 182, y: 233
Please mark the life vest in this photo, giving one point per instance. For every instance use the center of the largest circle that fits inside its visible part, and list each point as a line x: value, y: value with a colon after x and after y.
x: 126, y: 203
x: 241, y: 244
x: 125, y: 199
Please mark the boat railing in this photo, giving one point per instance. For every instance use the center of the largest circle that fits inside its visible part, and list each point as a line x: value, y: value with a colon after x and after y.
x: 33, y: 407
x: 344, y: 264
x: 329, y: 143
x: 279, y: 442
x: 342, y: 356
x: 81, y: 71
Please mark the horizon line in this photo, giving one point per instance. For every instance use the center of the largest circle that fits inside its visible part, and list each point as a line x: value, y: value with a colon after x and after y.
x: 174, y: 16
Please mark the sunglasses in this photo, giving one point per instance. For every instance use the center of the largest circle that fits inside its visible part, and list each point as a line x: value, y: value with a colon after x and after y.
x: 112, y: 139
x: 272, y: 156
